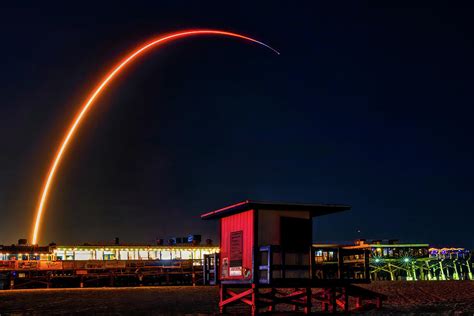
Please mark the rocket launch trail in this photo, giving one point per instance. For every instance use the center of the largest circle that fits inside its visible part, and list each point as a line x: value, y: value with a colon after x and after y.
x: 95, y: 94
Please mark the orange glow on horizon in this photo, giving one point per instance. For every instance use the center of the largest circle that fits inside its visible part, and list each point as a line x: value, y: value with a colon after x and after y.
x: 96, y: 93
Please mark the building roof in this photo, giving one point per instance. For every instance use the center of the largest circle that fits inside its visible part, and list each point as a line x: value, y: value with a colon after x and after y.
x: 315, y: 209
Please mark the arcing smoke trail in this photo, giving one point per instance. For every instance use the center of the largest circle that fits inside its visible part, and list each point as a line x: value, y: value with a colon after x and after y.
x: 96, y: 93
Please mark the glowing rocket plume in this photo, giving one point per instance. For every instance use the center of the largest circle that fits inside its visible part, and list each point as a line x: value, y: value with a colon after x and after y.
x: 96, y: 93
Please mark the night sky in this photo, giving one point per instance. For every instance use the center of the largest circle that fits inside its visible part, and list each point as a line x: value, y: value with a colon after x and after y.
x: 367, y: 105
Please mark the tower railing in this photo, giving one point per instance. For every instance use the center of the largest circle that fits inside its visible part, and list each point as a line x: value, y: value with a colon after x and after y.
x: 277, y: 264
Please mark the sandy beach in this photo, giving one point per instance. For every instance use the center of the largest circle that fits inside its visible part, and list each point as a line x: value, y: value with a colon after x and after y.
x: 444, y: 298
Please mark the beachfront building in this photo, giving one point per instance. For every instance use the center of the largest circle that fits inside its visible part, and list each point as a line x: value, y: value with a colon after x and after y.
x: 391, y: 260
x: 133, y: 252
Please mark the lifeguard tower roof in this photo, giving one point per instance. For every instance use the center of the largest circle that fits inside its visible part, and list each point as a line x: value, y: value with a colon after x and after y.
x: 314, y: 209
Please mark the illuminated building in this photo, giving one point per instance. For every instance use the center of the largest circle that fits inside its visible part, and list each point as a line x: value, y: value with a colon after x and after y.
x: 116, y: 264
x: 124, y: 252
x: 391, y: 260
x: 106, y: 252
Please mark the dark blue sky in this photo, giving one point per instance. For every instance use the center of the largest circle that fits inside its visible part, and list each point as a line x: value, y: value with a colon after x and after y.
x: 367, y: 105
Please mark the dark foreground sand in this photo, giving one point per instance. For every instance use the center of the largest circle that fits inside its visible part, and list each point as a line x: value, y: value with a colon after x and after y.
x: 448, y: 298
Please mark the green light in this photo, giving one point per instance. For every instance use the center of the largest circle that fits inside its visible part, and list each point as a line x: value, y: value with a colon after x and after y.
x: 377, y: 260
x: 406, y: 259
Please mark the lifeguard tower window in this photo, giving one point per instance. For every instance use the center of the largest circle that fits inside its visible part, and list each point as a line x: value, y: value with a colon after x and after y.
x: 236, y: 250
x: 295, y: 234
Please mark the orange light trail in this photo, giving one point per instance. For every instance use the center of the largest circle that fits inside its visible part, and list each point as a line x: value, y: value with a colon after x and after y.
x: 96, y: 93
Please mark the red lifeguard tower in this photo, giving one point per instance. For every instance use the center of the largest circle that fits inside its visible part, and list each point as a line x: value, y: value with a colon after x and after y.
x: 266, y: 247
